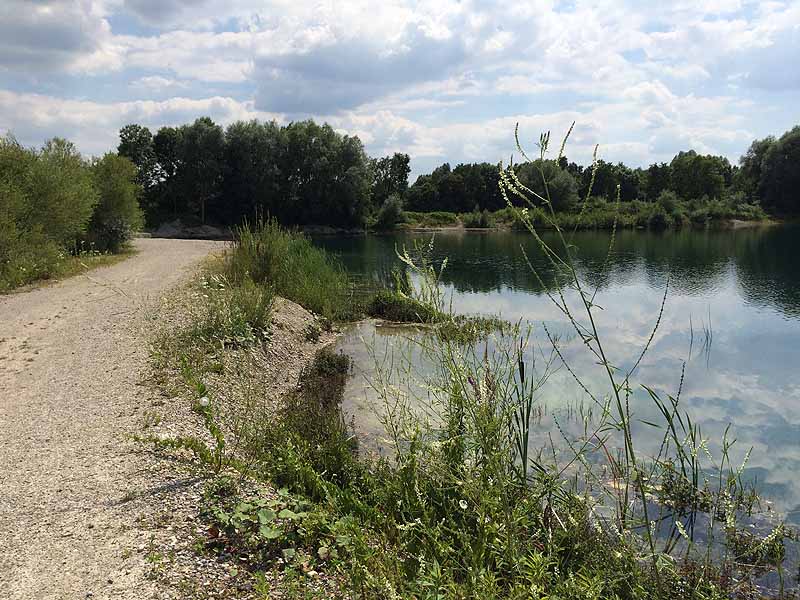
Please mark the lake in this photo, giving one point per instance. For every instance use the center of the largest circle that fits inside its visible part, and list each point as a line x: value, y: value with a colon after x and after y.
x: 731, y: 316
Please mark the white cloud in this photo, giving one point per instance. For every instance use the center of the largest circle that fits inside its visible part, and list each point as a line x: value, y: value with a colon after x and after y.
x: 94, y: 126
x: 441, y: 80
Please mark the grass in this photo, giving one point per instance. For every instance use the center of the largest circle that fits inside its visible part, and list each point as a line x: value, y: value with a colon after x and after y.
x: 42, y: 267
x: 292, y: 266
x: 410, y: 219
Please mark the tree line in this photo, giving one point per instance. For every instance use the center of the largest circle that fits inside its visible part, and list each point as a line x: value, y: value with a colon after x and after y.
x: 304, y: 174
x: 768, y: 174
x: 301, y: 173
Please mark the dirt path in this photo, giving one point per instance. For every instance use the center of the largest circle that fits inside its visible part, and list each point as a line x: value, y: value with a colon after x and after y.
x: 72, y: 357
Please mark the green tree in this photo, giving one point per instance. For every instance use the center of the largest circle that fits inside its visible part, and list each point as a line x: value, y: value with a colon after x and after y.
x: 694, y: 176
x: 60, y: 192
x: 201, y: 150
x: 165, y: 197
x: 390, y: 177
x: 748, y: 178
x: 117, y: 213
x: 252, y: 179
x: 136, y: 144
x: 657, y: 180
x: 561, y: 186
x: 780, y: 174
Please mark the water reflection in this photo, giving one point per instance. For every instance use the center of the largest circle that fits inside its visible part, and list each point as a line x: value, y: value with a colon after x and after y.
x: 742, y: 285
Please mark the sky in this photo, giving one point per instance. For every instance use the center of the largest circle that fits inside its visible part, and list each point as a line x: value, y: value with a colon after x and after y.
x: 442, y: 81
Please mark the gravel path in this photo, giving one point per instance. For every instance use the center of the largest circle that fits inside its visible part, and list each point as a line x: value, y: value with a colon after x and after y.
x: 72, y: 358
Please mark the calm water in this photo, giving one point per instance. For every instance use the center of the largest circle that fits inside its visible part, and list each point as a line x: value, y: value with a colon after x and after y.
x: 743, y: 286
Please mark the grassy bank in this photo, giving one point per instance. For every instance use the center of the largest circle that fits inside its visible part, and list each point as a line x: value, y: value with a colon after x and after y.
x: 598, y: 213
x: 460, y: 510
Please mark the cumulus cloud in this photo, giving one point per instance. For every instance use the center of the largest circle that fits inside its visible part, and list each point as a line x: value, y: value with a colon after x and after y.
x: 157, y: 12
x: 94, y: 126
x: 45, y: 35
x: 349, y: 72
x: 443, y: 80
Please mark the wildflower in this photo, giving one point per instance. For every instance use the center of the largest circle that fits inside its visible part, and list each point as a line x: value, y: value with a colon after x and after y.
x: 462, y: 504
x: 203, y: 401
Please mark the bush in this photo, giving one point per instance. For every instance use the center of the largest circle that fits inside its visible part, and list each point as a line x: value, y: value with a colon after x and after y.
x: 292, y: 266
x: 389, y: 213
x: 668, y: 200
x: 52, y: 201
x: 659, y: 219
x: 117, y: 213
x: 477, y: 219
x: 393, y: 306
x: 430, y: 219
x: 237, y: 315
x: 60, y: 193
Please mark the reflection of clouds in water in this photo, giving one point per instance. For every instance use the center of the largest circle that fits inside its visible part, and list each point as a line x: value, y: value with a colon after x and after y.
x: 748, y: 378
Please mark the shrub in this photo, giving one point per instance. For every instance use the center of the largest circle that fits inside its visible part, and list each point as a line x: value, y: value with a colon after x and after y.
x: 60, y: 193
x: 659, y: 219
x: 52, y: 201
x: 389, y: 213
x: 477, y: 219
x: 117, y: 214
x: 430, y: 219
x: 400, y: 308
x: 668, y: 200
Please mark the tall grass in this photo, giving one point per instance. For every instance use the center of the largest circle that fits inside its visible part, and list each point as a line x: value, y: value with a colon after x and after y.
x: 287, y: 261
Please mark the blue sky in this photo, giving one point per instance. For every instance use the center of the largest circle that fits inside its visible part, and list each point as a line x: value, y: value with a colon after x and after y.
x: 443, y: 81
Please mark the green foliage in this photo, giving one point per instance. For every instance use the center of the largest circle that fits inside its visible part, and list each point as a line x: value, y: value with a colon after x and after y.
x: 48, y: 198
x: 301, y: 174
x: 668, y: 200
x: 60, y: 193
x: 430, y: 219
x: 292, y: 266
x: 780, y: 174
x: 390, y: 213
x: 561, y: 186
x: 696, y: 176
x: 233, y: 315
x: 390, y: 177
x: 456, y: 190
x: 400, y: 308
x: 117, y: 214
x: 477, y: 219
x: 201, y: 153
x: 136, y: 144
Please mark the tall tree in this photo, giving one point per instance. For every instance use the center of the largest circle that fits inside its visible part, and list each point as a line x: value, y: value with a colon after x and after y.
x: 657, y: 180
x: 251, y: 176
x: 202, y: 145
x: 390, y: 177
x: 780, y: 174
x: 165, y: 197
x: 695, y: 176
x: 748, y: 178
x: 136, y: 144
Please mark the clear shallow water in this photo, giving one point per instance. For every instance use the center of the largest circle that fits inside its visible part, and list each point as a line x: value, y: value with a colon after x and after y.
x: 743, y: 285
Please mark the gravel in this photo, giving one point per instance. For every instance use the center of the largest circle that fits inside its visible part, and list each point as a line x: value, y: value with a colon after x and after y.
x: 78, y: 498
